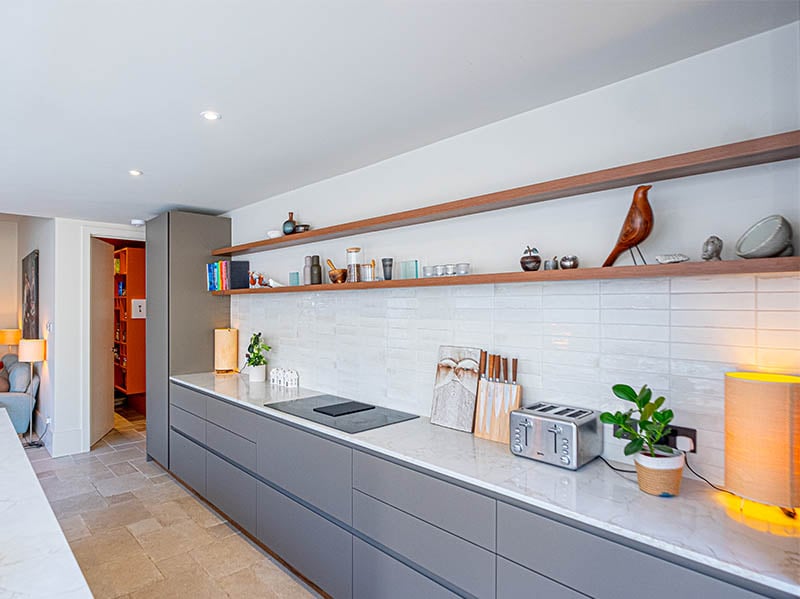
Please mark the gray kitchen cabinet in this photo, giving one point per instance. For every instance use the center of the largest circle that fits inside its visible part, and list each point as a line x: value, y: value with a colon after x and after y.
x: 457, y: 510
x: 583, y: 561
x: 233, y: 418
x: 377, y: 575
x: 464, y: 565
x: 188, y: 400
x: 233, y: 491
x: 317, y: 548
x: 514, y: 581
x: 313, y: 469
x: 237, y: 449
x: 190, y: 425
x: 181, y: 314
x: 188, y: 461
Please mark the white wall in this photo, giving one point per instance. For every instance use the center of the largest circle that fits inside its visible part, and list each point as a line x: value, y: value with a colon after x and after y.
x: 9, y: 271
x: 39, y: 234
x: 575, y: 340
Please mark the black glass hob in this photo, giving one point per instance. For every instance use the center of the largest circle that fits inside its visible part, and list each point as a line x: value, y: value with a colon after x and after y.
x: 340, y: 413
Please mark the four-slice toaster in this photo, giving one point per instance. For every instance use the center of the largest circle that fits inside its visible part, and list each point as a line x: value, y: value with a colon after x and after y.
x: 559, y: 435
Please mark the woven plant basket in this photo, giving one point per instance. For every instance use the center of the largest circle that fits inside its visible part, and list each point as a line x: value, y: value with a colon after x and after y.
x: 660, y: 475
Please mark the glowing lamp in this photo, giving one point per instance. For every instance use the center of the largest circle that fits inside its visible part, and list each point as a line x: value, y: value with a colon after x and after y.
x: 762, y: 437
x: 226, y: 350
x: 10, y: 337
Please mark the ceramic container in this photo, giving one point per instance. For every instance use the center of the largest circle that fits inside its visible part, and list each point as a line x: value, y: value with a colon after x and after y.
x: 438, y: 270
x: 450, y: 270
x: 427, y: 271
x: 258, y: 374
x: 288, y: 225
x: 274, y: 234
x: 316, y: 271
x: 768, y: 238
x: 462, y: 268
x: 387, y: 264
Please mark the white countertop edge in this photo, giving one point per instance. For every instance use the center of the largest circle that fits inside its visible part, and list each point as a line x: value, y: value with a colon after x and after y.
x: 648, y: 540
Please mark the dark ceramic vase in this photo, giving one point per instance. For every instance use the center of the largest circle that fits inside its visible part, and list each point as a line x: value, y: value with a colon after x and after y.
x: 289, y: 225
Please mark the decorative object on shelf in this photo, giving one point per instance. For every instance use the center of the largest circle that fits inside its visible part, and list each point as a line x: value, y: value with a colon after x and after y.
x: 409, y: 269
x: 226, y: 350
x: 462, y: 268
x: 450, y: 270
x: 273, y: 283
x: 551, y: 264
x: 762, y: 434
x: 659, y: 468
x: 569, y: 262
x: 301, y: 228
x: 387, y: 264
x: 257, y: 280
x: 316, y: 271
x: 294, y: 279
x: 768, y: 238
x: 226, y: 274
x: 255, y: 359
x: 671, y: 258
x: 354, y: 264
x: 637, y: 226
x: 284, y: 377
x: 531, y: 260
x: 367, y: 272
x: 336, y: 275
x: 499, y: 395
x: 307, y: 270
x: 455, y: 387
x: 274, y: 234
x: 438, y: 270
x: 289, y: 224
x: 712, y: 248
x: 427, y: 271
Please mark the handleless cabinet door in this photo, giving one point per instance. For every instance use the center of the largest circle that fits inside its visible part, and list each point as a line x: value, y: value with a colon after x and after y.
x: 377, y: 575
x: 187, y: 461
x: 232, y: 491
x: 188, y: 399
x: 514, y: 581
x: 187, y: 423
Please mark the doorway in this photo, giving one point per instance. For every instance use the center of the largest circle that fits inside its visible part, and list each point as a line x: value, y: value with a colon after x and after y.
x: 117, y: 334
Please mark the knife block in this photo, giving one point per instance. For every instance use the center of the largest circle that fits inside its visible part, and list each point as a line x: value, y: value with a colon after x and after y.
x: 495, y: 403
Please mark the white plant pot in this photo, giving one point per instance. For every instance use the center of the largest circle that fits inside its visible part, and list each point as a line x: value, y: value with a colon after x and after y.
x: 258, y: 374
x: 661, y: 474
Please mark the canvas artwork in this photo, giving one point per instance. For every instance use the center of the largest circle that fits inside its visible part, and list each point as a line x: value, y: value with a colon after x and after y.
x: 456, y: 387
x: 30, y: 295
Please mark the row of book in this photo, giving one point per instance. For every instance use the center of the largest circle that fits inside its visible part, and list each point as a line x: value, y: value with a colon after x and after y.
x: 228, y: 274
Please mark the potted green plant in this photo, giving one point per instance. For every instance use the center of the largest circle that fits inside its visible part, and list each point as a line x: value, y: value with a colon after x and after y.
x: 255, y: 359
x: 659, y: 468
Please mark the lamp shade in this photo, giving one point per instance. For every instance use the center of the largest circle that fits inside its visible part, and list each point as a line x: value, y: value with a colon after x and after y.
x: 762, y: 437
x: 10, y: 336
x: 32, y: 350
x: 226, y: 349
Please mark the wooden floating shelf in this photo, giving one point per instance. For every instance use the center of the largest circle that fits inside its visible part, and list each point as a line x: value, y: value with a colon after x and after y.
x: 774, y: 148
x: 683, y: 269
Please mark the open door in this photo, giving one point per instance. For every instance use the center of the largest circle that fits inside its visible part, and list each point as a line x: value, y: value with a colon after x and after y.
x: 101, y: 347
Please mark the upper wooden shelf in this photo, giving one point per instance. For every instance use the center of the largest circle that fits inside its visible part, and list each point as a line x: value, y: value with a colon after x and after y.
x: 683, y: 269
x: 773, y: 148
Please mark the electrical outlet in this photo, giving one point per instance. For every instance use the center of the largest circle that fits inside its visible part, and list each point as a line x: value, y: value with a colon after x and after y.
x: 626, y: 436
x: 670, y: 440
x: 47, y: 421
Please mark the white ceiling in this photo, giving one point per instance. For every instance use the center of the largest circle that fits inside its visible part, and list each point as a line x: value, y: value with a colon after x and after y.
x: 308, y: 89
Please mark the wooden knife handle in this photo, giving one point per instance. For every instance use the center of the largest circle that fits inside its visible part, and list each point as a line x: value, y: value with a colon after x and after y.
x: 504, y: 362
x: 514, y: 364
x: 482, y: 364
x: 497, y: 367
x: 490, y: 371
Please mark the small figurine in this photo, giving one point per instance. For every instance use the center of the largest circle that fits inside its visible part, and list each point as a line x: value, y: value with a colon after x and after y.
x: 530, y: 260
x: 712, y: 248
x: 551, y: 264
x: 671, y: 258
x: 637, y: 226
x: 568, y: 262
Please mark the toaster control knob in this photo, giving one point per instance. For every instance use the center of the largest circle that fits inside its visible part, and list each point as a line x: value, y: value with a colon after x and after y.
x: 565, y: 459
x: 516, y: 448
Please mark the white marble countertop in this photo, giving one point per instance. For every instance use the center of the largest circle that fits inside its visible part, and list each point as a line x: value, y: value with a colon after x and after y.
x: 696, y: 526
x: 35, y: 558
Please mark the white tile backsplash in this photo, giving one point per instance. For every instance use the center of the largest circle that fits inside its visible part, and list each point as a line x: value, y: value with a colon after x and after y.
x: 574, y: 340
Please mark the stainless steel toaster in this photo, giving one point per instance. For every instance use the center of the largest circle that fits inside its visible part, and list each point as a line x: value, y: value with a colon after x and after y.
x: 559, y: 435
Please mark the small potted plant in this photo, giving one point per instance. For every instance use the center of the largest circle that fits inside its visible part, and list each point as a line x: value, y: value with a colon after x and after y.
x: 659, y: 468
x: 254, y: 358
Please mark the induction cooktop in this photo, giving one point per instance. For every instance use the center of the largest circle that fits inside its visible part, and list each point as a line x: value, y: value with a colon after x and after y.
x: 340, y: 413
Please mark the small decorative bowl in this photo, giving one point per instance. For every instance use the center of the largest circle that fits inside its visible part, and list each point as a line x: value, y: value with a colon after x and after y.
x: 274, y: 234
x: 769, y: 237
x: 338, y: 275
x: 301, y: 228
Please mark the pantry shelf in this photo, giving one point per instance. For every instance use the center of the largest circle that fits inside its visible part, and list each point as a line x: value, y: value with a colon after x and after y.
x: 773, y: 148
x: 683, y: 269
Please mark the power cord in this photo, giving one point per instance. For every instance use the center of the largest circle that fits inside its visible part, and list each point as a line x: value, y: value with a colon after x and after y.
x: 703, y: 478
x: 615, y: 469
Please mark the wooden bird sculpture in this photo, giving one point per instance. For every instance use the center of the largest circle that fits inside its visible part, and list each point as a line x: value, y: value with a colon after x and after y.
x: 637, y: 226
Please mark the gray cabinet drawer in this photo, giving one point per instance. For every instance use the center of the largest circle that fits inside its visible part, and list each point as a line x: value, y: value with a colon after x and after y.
x: 232, y: 491
x: 379, y: 576
x: 188, y: 423
x: 558, y: 551
x: 307, y: 466
x: 317, y: 548
x: 233, y: 447
x: 462, y: 512
x: 188, y: 400
x: 466, y: 566
x: 187, y: 461
x: 235, y: 419
x: 514, y: 581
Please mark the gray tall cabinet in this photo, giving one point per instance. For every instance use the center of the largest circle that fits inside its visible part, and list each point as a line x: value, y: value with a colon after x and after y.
x: 181, y: 313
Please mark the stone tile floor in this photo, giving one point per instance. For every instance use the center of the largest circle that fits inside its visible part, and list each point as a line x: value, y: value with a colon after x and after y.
x: 137, y: 533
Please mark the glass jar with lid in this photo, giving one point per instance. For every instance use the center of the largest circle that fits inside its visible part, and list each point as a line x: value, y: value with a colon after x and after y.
x: 354, y: 259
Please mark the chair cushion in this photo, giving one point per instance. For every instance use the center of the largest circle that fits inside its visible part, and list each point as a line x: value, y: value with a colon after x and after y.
x: 8, y: 361
x: 19, y: 377
x: 4, y: 386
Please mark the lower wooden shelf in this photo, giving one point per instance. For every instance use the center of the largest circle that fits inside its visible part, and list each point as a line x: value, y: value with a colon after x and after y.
x: 683, y: 269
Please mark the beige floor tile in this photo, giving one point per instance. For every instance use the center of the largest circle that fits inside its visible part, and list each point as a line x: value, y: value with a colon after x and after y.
x: 149, y: 469
x: 193, y: 583
x: 168, y: 512
x: 121, y: 498
x: 175, y: 539
x: 74, y: 528
x: 120, y: 576
x: 169, y: 491
x: 161, y: 479
x: 122, y: 468
x: 177, y: 564
x: 121, y: 514
x: 122, y: 437
x: 245, y: 583
x: 57, y: 489
x: 227, y: 556
x: 90, y: 470
x: 200, y: 512
x: 105, y: 546
x: 39, y: 453
x: 142, y: 527
x: 123, y: 455
x: 100, y: 447
x: 79, y: 504
x: 122, y: 484
x: 272, y: 577
x: 223, y: 530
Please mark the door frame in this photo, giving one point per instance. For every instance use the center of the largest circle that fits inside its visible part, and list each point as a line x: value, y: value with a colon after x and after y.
x: 88, y: 231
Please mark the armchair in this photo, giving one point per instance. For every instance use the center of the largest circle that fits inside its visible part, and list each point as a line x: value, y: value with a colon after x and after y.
x: 21, y: 390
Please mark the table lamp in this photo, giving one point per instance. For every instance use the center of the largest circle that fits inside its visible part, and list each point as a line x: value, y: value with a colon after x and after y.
x: 226, y: 350
x: 9, y: 337
x: 762, y: 437
x: 30, y: 351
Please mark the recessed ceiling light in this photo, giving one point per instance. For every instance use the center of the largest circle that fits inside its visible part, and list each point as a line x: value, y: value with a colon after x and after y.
x: 135, y: 173
x: 210, y: 115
